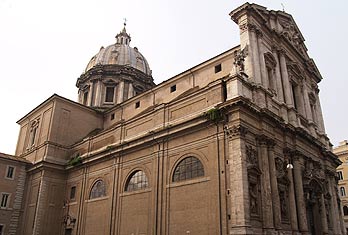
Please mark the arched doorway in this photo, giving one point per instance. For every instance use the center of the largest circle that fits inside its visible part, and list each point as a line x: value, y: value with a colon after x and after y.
x: 313, y: 193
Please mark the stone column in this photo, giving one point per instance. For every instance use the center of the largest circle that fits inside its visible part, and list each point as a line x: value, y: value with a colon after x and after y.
x: 130, y: 91
x: 278, y: 78
x: 240, y: 202
x: 120, y: 92
x: 319, y: 113
x: 285, y: 79
x: 274, y: 186
x: 266, y: 192
x: 264, y: 77
x: 300, y: 200
x: 98, y: 93
x: 255, y: 55
x: 299, y: 94
x: 307, y: 103
x: 334, y: 207
x: 292, y: 201
x: 324, y: 224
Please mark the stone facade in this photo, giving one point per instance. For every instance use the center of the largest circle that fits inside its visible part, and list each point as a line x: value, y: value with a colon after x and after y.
x: 234, y: 145
x: 342, y: 173
x: 12, y: 187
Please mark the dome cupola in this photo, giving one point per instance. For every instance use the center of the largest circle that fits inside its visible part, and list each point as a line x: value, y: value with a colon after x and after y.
x: 116, y: 73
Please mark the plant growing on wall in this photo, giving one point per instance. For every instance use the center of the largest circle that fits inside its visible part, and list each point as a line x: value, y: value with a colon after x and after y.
x: 214, y: 115
x: 75, y: 160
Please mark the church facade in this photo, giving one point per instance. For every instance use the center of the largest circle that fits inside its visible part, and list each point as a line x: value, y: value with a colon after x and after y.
x: 234, y: 145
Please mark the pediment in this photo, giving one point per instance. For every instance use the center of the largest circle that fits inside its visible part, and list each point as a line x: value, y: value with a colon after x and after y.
x: 280, y: 27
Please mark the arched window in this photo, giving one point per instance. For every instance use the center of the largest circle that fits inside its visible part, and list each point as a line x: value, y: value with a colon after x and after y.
x: 136, y: 181
x: 98, y: 190
x: 343, y: 191
x: 345, y: 210
x: 188, y: 168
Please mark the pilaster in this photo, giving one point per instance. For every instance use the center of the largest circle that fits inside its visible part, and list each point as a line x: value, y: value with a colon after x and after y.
x: 278, y: 78
x: 240, y: 203
x: 292, y: 199
x: 285, y: 79
x: 266, y: 190
x: 300, y: 200
x: 264, y: 77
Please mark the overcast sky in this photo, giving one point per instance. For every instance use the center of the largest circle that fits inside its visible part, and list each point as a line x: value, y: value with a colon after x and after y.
x: 45, y: 46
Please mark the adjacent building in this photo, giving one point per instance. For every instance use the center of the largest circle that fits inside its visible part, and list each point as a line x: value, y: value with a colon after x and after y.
x: 234, y: 145
x: 342, y: 173
x: 12, y: 187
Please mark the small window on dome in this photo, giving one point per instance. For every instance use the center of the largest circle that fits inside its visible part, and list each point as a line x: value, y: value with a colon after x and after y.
x: 109, y: 94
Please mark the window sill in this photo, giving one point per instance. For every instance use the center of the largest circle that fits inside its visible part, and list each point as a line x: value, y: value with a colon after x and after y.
x: 146, y: 190
x: 188, y: 182
x: 9, y: 178
x: 6, y: 208
x: 97, y: 199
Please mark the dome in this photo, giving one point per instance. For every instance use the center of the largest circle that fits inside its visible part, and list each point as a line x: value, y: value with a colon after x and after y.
x: 120, y: 53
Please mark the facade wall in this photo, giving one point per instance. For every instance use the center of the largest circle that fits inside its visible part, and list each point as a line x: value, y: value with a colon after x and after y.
x: 254, y: 130
x: 342, y: 152
x: 13, y: 186
x: 164, y: 204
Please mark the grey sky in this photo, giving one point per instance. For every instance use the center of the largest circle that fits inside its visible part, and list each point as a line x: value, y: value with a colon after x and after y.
x: 45, y: 46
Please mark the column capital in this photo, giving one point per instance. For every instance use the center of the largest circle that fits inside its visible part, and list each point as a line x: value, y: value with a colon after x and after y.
x: 247, y: 27
x: 236, y: 130
x: 281, y: 51
x: 265, y: 140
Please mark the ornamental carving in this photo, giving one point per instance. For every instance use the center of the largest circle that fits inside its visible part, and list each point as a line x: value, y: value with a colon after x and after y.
x: 313, y: 170
x: 284, y: 206
x: 239, y: 58
x: 252, y: 157
x: 236, y: 130
x: 254, y: 196
x: 246, y: 27
x: 280, y: 167
x: 292, y: 35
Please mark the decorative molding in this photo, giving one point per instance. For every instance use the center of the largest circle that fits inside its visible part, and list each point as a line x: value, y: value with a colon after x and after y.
x: 236, y: 130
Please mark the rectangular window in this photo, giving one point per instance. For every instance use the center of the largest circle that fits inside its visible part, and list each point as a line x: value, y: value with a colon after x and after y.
x: 137, y: 104
x: 10, y: 172
x: 2, y: 229
x: 173, y: 88
x: 294, y: 95
x: 72, y: 192
x: 340, y: 175
x: 112, y: 117
x: 218, y: 68
x: 85, y: 97
x: 109, y: 94
x: 4, y: 200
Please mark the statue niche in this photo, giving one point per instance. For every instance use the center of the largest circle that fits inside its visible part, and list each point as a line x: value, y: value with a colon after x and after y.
x: 254, y: 181
x: 283, y: 188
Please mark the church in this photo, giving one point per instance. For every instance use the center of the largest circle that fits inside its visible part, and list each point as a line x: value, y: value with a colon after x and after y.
x: 233, y: 145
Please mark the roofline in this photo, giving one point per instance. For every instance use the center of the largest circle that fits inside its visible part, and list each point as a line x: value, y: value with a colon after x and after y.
x: 49, y: 99
x: 170, y: 79
x: 196, y: 66
x: 10, y: 157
